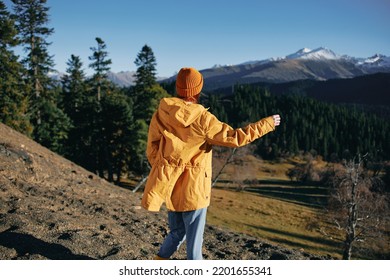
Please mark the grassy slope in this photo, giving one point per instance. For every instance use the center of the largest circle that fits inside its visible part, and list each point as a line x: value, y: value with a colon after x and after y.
x: 277, y: 210
x: 277, y: 221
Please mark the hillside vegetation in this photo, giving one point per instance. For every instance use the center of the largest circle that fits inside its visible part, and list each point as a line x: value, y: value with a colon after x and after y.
x: 333, y: 131
x: 370, y: 90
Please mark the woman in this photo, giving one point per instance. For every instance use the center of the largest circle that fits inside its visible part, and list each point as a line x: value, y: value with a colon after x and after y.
x: 181, y: 135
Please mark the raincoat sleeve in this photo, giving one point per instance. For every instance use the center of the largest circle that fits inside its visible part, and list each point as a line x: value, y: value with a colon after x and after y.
x: 154, y: 138
x: 221, y: 134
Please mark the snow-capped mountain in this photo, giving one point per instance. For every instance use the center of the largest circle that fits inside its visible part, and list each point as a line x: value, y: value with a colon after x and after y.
x: 378, y: 60
x: 327, y: 54
x: 317, y: 64
x: 317, y: 54
x: 305, y: 53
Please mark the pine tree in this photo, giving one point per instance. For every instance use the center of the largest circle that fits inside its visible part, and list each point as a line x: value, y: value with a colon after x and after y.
x: 118, y: 133
x: 74, y: 97
x: 74, y: 87
x: 146, y: 92
x: 146, y: 95
x: 32, y: 17
x: 100, y: 86
x: 146, y: 71
x: 53, y: 131
x: 101, y: 64
x: 107, y: 131
x: 13, y: 100
x: 50, y: 123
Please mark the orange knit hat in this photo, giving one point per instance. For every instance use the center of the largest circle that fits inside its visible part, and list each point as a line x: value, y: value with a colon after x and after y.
x: 189, y: 82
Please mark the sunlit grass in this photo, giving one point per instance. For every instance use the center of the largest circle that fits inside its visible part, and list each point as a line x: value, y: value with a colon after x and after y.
x: 279, y: 222
x: 277, y: 210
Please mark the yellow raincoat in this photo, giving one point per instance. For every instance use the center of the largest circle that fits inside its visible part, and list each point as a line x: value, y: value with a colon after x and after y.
x: 179, y: 149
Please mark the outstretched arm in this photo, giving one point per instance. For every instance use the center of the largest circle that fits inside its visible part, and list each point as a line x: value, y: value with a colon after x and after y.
x: 221, y: 134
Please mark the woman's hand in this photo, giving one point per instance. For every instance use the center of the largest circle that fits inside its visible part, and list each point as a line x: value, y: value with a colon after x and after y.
x: 276, y: 120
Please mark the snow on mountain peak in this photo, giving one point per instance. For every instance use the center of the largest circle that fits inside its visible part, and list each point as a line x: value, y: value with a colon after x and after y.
x: 317, y: 54
x: 373, y: 59
x: 377, y: 60
x: 304, y: 50
x: 299, y: 53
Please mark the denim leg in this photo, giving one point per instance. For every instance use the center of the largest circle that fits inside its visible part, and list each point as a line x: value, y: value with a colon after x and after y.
x: 194, y: 223
x: 175, y: 237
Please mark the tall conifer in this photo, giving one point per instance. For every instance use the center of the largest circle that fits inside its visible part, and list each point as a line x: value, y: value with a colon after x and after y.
x: 101, y: 64
x: 13, y: 100
x: 73, y: 87
x: 74, y: 96
x: 146, y: 92
x: 32, y: 17
x: 146, y: 95
x: 50, y: 123
x: 146, y: 71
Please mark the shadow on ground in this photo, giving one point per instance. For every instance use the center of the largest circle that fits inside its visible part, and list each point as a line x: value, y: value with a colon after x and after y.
x: 27, y: 244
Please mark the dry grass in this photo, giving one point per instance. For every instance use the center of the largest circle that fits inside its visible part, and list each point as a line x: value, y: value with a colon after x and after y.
x: 275, y: 209
x: 280, y: 222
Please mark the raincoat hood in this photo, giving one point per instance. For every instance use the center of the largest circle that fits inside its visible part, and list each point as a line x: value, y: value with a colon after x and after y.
x: 179, y: 112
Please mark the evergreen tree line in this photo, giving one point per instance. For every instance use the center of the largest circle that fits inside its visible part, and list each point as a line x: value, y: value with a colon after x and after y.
x: 332, y: 131
x: 89, y: 120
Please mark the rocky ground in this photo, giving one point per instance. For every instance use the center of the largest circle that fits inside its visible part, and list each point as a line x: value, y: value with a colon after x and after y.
x: 51, y: 208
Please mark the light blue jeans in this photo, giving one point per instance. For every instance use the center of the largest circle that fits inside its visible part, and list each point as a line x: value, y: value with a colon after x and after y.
x: 187, y: 226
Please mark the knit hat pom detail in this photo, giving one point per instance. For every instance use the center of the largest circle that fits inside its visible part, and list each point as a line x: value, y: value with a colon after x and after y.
x: 189, y: 82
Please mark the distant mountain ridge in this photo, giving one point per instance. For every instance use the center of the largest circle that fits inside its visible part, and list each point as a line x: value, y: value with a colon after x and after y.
x: 319, y: 64
x: 322, y: 54
x: 123, y: 78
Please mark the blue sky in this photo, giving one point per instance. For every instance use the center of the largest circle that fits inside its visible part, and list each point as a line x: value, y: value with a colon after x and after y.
x: 203, y: 33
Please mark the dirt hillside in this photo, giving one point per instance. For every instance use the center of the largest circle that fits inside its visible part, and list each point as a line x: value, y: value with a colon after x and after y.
x: 50, y: 208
